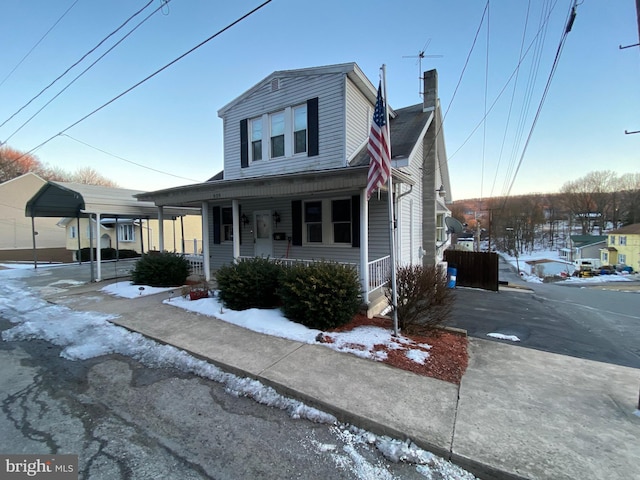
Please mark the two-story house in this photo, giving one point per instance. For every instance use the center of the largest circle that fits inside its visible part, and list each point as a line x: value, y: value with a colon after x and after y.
x: 623, y: 247
x: 295, y: 175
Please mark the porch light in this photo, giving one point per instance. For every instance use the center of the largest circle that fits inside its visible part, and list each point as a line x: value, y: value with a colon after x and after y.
x: 245, y: 219
x: 276, y: 218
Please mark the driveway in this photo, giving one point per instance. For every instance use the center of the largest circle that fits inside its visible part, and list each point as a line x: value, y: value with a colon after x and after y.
x: 584, y: 320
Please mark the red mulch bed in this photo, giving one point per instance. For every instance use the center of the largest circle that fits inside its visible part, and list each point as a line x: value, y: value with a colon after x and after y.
x: 448, y: 356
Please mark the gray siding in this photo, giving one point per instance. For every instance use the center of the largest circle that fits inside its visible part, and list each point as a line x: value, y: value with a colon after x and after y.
x: 410, y: 205
x: 294, y: 90
x: 358, y: 114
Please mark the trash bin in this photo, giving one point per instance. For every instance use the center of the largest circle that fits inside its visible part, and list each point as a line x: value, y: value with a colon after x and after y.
x: 452, y: 272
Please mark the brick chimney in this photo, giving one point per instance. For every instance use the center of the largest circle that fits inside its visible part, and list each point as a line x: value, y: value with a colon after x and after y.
x: 430, y: 89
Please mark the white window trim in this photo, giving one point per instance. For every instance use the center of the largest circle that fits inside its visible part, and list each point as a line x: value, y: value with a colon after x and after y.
x: 289, y: 137
x: 223, y: 225
x: 121, y: 227
x: 73, y: 232
x: 262, y: 139
x: 622, y: 240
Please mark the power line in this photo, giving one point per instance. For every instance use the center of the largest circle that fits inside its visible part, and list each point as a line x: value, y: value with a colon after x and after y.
x: 86, y: 69
x: 219, y: 32
x: 128, y: 161
x: 38, y: 43
x: 77, y: 62
x: 569, y: 24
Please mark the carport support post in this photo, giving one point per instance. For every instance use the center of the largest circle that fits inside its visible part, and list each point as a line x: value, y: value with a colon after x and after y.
x: 98, y: 249
x: 33, y: 236
x: 182, y: 233
x: 364, y: 246
x: 79, y: 244
x: 93, y: 277
x: 160, y: 229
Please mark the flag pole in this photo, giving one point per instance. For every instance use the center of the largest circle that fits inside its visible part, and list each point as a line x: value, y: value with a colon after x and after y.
x: 392, y: 237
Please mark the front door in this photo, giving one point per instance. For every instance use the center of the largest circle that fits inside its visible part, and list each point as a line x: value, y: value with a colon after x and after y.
x: 262, y: 233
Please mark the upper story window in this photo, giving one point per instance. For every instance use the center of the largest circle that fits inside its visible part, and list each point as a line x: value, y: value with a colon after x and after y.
x: 292, y: 131
x: 256, y: 139
x: 277, y: 123
x: 126, y: 232
x: 623, y: 240
x: 300, y: 129
x: 612, y: 239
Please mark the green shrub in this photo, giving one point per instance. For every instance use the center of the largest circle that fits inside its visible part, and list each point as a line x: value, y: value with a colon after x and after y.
x: 161, y: 270
x: 424, y: 301
x: 322, y: 295
x: 250, y: 283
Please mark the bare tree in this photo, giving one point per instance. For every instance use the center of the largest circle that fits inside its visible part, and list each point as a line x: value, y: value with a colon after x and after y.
x: 90, y: 176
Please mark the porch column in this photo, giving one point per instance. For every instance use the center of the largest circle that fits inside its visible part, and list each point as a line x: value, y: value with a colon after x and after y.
x: 160, y: 229
x: 205, y: 242
x: 98, y: 249
x: 33, y: 237
x: 235, y: 211
x: 364, y: 245
x: 79, y: 244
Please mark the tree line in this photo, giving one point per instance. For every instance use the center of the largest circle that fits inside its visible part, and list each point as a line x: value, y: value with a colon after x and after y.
x: 14, y: 163
x: 592, y: 204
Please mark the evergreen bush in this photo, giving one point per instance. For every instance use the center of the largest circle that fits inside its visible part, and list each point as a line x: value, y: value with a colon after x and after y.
x: 424, y: 300
x: 321, y: 295
x: 161, y: 270
x: 251, y: 283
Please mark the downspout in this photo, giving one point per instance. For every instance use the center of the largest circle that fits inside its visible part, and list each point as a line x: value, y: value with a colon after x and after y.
x: 117, y: 241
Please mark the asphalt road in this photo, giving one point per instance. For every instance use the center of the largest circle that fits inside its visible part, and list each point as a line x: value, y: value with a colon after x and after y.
x: 127, y: 421
x: 590, y: 321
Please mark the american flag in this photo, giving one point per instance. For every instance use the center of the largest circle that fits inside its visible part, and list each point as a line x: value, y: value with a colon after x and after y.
x: 380, y: 164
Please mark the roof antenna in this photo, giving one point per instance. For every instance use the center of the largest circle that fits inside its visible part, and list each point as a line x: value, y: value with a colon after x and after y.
x: 420, y: 56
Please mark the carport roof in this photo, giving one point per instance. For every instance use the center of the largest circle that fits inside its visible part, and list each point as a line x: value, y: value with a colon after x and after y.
x: 63, y: 199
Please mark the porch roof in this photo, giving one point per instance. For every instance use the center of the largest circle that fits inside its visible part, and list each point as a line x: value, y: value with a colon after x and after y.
x: 64, y: 199
x: 288, y: 185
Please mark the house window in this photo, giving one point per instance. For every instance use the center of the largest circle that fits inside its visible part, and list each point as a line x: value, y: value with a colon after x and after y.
x: 256, y: 139
x: 622, y: 259
x: 313, y: 221
x: 73, y: 231
x: 341, y: 220
x: 300, y: 129
x: 441, y: 234
x: 612, y: 239
x: 277, y: 134
x: 126, y: 232
x: 623, y: 240
x: 605, y: 257
x: 227, y: 224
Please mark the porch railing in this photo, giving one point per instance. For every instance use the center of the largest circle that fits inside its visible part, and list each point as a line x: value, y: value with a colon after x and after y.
x: 196, y: 264
x: 379, y: 273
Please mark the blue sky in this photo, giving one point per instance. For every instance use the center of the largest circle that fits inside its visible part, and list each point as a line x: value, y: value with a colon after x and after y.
x: 170, y: 123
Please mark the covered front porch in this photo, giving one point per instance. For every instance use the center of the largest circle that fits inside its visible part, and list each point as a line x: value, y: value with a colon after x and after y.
x: 302, y: 218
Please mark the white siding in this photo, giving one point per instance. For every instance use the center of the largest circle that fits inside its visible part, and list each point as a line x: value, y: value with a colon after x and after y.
x: 294, y: 90
x: 359, y: 113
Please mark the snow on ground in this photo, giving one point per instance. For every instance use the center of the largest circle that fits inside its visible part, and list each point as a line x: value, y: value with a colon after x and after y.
x: 84, y: 335
x: 502, y: 336
x: 127, y: 290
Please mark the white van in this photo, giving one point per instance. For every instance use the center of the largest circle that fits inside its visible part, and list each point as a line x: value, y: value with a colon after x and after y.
x: 587, y: 266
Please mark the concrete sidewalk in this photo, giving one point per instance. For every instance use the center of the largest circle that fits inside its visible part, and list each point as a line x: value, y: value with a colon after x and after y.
x: 518, y: 413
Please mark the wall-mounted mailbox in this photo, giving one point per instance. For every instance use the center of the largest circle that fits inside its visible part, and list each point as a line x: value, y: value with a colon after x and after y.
x: 279, y: 236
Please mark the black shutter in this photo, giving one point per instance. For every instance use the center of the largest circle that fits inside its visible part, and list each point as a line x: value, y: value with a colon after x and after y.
x: 244, y: 144
x: 312, y: 126
x: 241, y: 225
x: 216, y: 224
x: 355, y: 221
x: 296, y: 222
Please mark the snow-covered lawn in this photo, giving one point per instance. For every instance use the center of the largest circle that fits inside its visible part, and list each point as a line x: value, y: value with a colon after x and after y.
x: 84, y: 335
x: 359, y: 341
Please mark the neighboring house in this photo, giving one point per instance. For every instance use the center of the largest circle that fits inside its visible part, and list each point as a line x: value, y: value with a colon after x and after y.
x: 16, y: 234
x: 623, y: 247
x: 125, y: 222
x: 295, y: 174
x: 583, y: 246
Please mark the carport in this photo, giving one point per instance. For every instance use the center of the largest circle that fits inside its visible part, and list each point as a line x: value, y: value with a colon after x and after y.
x: 75, y: 200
